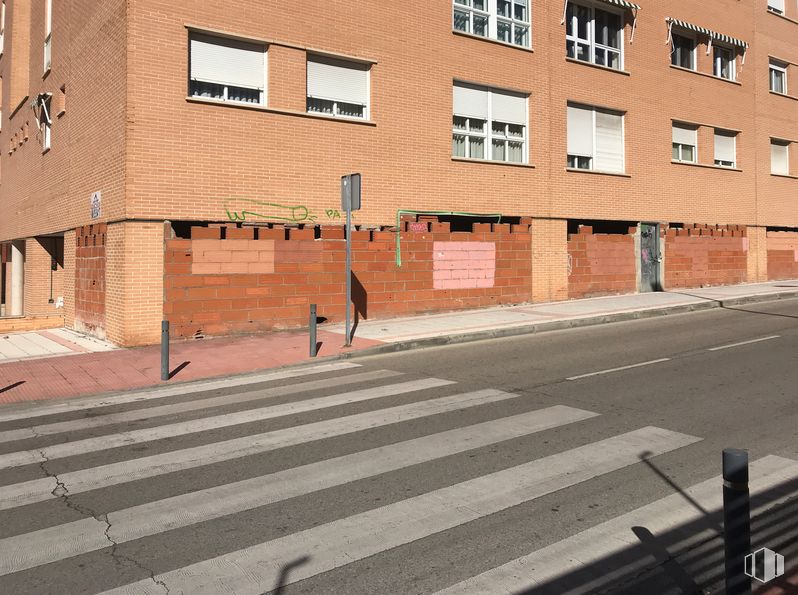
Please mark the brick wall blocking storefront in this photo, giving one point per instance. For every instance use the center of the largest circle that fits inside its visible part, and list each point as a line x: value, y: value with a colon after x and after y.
x: 264, y: 279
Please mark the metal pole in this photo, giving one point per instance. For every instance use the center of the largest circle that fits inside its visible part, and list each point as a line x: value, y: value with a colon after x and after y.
x: 348, y: 277
x: 164, y: 350
x: 313, y: 330
x: 736, y: 520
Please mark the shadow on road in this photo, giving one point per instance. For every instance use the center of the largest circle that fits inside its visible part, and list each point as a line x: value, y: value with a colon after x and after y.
x: 688, y: 558
x: 282, y: 579
x: 738, y: 308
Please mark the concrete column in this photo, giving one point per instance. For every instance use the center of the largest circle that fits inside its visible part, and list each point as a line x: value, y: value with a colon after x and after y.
x: 17, y: 277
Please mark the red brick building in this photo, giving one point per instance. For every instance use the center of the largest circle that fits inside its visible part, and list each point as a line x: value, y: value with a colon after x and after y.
x: 182, y: 160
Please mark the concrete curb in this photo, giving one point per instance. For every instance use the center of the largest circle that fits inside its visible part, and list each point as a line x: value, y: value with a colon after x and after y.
x: 557, y: 325
x: 529, y: 329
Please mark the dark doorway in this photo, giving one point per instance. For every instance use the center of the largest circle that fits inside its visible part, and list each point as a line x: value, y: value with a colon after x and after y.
x: 650, y: 258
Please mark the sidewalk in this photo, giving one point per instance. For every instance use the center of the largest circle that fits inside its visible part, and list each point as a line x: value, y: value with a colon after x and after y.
x: 123, y: 369
x: 457, y: 327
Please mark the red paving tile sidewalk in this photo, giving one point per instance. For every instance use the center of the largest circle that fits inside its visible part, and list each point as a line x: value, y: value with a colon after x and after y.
x: 91, y: 373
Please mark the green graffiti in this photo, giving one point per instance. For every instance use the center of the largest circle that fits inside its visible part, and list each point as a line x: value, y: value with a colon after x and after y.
x: 269, y: 211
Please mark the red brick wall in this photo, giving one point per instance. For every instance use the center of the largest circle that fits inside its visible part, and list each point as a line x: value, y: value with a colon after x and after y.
x: 601, y: 264
x: 700, y: 256
x: 39, y: 253
x: 90, y: 279
x: 265, y: 279
x: 782, y: 254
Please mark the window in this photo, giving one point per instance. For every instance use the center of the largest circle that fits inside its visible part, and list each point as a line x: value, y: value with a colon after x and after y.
x: 504, y: 20
x: 44, y: 102
x: 778, y: 77
x: 338, y: 88
x: 683, y: 52
x: 48, y: 34
x: 776, y: 6
x: 724, y: 63
x: 594, y: 35
x: 489, y: 124
x: 227, y: 69
x: 685, y: 143
x: 595, y: 139
x: 2, y: 25
x: 779, y: 157
x: 725, y: 148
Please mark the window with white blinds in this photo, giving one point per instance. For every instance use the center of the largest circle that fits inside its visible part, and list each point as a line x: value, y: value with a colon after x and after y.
x: 725, y: 148
x: 489, y: 124
x: 685, y: 143
x: 595, y: 139
x: 227, y: 69
x: 780, y: 157
x: 776, y: 6
x: 337, y: 88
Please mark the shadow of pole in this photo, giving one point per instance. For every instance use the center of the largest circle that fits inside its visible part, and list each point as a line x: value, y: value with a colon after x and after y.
x: 12, y: 386
x: 178, y: 369
x: 360, y: 300
x: 735, y: 308
x: 282, y: 578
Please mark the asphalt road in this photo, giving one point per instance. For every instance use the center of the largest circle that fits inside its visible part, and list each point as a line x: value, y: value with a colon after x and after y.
x: 572, y: 461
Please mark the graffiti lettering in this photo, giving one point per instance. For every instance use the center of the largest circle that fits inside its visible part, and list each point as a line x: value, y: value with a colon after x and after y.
x: 258, y: 210
x: 269, y: 211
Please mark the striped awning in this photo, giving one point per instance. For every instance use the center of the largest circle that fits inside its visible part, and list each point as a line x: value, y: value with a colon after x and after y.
x: 708, y: 32
x: 623, y: 3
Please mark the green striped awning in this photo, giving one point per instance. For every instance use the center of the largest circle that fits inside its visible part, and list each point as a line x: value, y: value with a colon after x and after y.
x: 711, y: 34
x: 623, y: 3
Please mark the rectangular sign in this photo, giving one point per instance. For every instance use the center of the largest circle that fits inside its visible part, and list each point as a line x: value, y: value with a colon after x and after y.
x: 350, y: 192
x: 96, y: 205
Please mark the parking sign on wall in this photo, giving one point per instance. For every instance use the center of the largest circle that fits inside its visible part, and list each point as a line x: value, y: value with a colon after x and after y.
x: 96, y: 198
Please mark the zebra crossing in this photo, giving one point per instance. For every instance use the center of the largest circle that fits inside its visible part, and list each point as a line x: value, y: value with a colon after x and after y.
x: 52, y: 470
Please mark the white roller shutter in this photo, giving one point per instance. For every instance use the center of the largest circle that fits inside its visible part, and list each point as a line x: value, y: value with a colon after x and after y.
x: 338, y: 80
x: 470, y: 101
x: 685, y: 136
x: 776, y: 5
x: 609, y: 142
x: 228, y: 62
x: 508, y: 107
x: 779, y: 158
x: 580, y: 131
x: 724, y: 147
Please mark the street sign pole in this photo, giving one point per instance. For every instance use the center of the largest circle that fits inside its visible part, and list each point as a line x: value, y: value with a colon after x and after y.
x: 350, y: 201
x: 348, y: 277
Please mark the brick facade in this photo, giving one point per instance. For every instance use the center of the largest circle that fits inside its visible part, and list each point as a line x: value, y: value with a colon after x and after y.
x: 266, y: 278
x: 89, y: 288
x: 40, y: 253
x: 601, y: 264
x: 123, y: 126
x: 782, y: 255
x: 702, y: 256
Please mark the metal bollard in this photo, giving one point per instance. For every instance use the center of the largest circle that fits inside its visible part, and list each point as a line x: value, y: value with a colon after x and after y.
x: 164, y: 350
x: 313, y: 330
x: 736, y: 520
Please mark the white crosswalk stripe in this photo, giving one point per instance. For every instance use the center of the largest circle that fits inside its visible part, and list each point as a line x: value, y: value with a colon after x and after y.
x: 615, y: 535
x: 335, y: 540
x: 257, y: 568
x: 78, y: 447
x: 189, y: 406
x: 44, y: 408
x: 84, y: 480
x: 55, y: 543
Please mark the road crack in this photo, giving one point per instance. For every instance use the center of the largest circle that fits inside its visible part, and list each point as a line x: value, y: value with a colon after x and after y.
x: 61, y: 492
